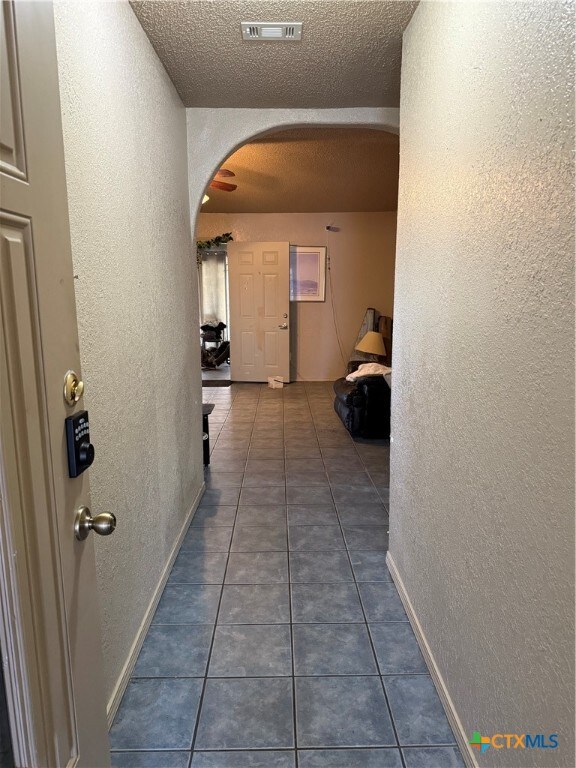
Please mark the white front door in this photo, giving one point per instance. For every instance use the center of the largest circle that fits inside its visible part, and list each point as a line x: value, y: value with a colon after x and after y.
x: 50, y: 632
x: 259, y: 310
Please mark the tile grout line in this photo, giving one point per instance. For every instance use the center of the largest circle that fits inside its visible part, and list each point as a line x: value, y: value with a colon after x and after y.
x: 380, y: 676
x: 367, y: 628
x: 294, y: 716
x: 288, y: 585
x: 317, y: 415
x: 209, y: 658
x: 283, y: 749
x: 392, y: 721
x: 272, y: 677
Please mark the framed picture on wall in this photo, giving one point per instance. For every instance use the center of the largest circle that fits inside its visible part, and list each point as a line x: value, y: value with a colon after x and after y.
x: 307, y: 273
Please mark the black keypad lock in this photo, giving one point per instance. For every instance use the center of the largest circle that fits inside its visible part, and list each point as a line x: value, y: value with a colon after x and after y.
x: 80, y: 449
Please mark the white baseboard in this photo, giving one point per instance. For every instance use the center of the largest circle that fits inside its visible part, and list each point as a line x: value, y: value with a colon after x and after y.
x: 122, y: 682
x: 459, y: 732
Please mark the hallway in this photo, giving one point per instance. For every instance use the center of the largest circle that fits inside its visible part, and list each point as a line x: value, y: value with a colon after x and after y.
x: 312, y: 662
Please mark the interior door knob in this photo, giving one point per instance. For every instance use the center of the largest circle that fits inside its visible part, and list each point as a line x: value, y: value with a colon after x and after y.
x: 102, y: 524
x: 284, y: 326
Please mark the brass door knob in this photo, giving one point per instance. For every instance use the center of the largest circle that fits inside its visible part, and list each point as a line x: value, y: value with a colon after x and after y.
x: 103, y: 524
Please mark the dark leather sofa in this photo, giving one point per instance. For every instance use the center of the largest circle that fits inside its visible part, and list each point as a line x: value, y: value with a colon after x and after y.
x: 364, y: 406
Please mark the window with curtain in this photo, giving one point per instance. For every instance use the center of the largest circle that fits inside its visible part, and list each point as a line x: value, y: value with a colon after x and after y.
x: 214, y: 287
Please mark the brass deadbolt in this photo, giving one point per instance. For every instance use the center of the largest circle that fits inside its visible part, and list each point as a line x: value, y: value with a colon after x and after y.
x: 73, y: 388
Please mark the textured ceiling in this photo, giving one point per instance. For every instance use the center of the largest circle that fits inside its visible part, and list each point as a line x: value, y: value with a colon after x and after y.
x: 349, y: 55
x: 312, y: 170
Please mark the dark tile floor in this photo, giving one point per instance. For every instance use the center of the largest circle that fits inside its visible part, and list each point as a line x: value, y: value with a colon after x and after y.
x: 222, y: 373
x: 280, y: 640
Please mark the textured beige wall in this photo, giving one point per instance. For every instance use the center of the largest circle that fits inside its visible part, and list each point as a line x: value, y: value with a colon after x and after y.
x: 125, y: 143
x: 482, y: 463
x: 361, y: 257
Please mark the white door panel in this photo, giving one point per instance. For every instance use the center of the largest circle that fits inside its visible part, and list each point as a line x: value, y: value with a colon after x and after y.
x: 50, y: 623
x: 259, y: 310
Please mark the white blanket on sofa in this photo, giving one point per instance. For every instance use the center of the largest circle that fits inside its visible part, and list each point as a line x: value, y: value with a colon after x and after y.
x: 368, y: 369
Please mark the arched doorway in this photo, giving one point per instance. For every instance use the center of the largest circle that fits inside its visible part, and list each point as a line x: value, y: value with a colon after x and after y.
x: 213, y: 135
x: 332, y: 186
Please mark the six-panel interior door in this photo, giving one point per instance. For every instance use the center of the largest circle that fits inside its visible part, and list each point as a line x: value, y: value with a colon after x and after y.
x: 55, y: 662
x: 259, y: 310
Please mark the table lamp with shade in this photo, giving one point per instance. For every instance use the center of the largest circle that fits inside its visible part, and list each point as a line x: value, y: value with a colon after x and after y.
x: 372, y: 343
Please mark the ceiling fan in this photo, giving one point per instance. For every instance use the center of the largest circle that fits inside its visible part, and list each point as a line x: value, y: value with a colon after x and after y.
x: 216, y: 182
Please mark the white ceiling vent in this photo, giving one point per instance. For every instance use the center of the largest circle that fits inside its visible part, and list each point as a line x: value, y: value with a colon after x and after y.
x: 265, y: 30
